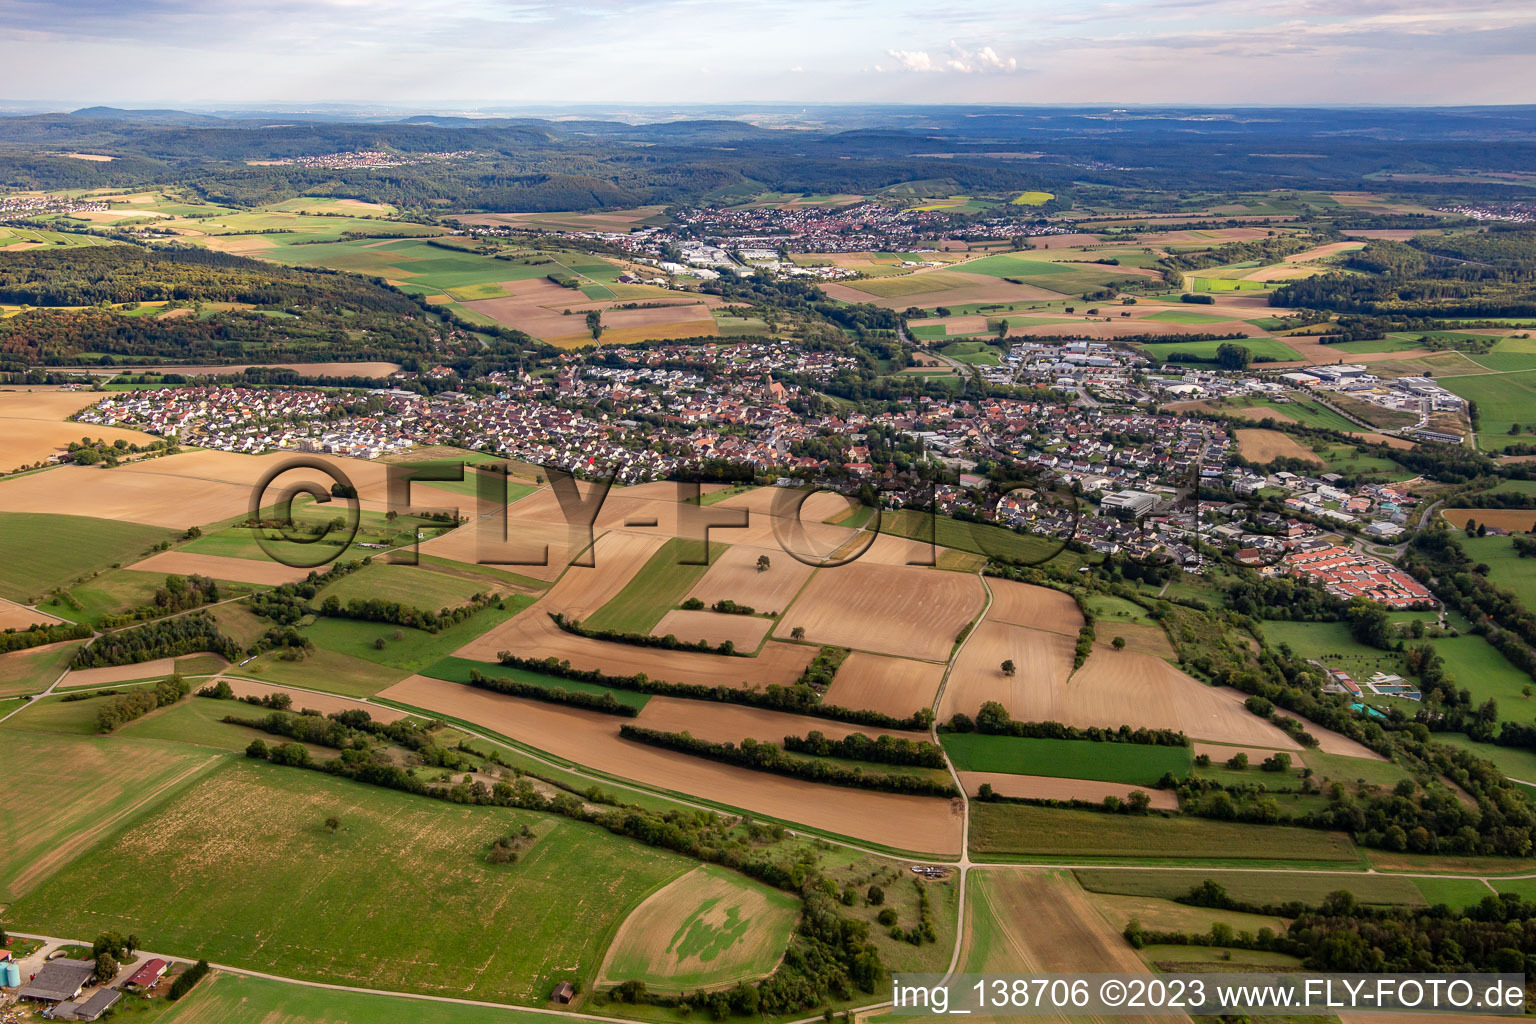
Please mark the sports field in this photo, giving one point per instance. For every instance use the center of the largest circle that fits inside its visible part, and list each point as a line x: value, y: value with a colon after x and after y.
x: 241, y: 869
x: 709, y: 928
x: 1134, y: 763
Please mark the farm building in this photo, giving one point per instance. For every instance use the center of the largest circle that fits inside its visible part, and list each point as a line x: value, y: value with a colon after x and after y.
x: 59, y: 981
x: 564, y: 992
x: 148, y: 975
x: 88, y: 1009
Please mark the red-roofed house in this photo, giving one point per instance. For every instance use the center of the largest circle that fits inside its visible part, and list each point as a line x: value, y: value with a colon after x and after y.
x: 148, y: 975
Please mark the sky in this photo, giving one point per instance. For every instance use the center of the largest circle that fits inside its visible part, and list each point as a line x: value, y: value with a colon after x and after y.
x: 463, y: 54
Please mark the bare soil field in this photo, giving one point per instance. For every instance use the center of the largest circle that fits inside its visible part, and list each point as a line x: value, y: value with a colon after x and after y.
x: 1316, y: 353
x: 1330, y: 742
x: 529, y: 547
x: 745, y: 631
x: 909, y: 612
x: 732, y: 723
x: 221, y: 567
x: 734, y: 577
x: 324, y: 703
x: 1267, y: 445
x: 891, y: 686
x: 160, y: 667
x: 192, y: 488
x: 772, y: 521
x: 1113, y: 688
x: 1042, y: 787
x: 1043, y: 922
x: 33, y: 426
x: 1021, y: 604
x: 1043, y: 660
x: 907, y: 822
x: 1512, y: 519
x: 16, y: 616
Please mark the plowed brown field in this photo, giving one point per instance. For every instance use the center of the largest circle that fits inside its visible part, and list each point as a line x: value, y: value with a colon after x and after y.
x: 891, y: 686
x: 745, y: 631
x: 1043, y: 660
x: 734, y: 577
x: 16, y: 616
x: 909, y: 612
x: 908, y: 822
x: 324, y: 703
x: 1037, y: 607
x: 1267, y: 445
x: 732, y: 723
x: 1042, y: 787
x: 221, y: 567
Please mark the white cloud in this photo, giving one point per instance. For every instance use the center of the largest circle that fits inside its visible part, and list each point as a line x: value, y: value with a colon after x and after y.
x: 958, y: 59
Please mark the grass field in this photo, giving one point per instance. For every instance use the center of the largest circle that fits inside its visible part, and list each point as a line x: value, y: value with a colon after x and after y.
x: 1453, y: 892
x: 1018, y: 829
x: 659, y: 586
x: 1509, y: 570
x: 1253, y: 886
x: 41, y: 551
x: 1267, y: 348
x: 1502, y: 400
x: 416, y: 586
x: 241, y: 869
x: 1178, y: 316
x: 1133, y: 763
x: 236, y: 999
x: 64, y: 794
x: 415, y: 649
x: 1058, y: 277
x: 972, y: 353
x: 979, y: 538
x: 711, y: 927
x: 32, y: 670
x: 456, y: 670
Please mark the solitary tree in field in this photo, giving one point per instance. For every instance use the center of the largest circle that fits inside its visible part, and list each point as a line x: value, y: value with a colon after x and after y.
x: 763, y: 563
x: 1118, y: 643
x: 798, y: 633
x: 332, y: 824
x: 1009, y: 668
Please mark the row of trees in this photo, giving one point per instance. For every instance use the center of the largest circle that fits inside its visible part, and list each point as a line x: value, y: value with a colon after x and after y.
x: 768, y: 757
x: 140, y: 701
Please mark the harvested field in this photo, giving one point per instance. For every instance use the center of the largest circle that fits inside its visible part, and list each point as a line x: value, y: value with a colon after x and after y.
x: 1022, y: 604
x: 1267, y: 445
x: 891, y: 686
x: 529, y: 547
x: 731, y: 723
x: 906, y: 822
x: 909, y: 612
x: 1165, y: 915
x: 734, y: 577
x: 582, y: 591
x: 1113, y: 688
x: 222, y: 567
x: 1036, y: 921
x: 188, y: 489
x: 1042, y: 787
x: 1511, y: 519
x: 1043, y: 660
x: 1116, y: 328
x: 159, y: 668
x: 19, y: 617
x: 773, y: 522
x: 710, y: 928
x: 324, y: 703
x: 745, y: 631
x: 33, y: 426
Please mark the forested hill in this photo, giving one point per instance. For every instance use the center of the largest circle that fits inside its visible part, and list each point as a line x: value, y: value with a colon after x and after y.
x: 516, y: 163
x: 86, y: 276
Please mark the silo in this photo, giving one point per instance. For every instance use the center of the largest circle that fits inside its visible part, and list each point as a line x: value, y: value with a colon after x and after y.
x: 12, y: 974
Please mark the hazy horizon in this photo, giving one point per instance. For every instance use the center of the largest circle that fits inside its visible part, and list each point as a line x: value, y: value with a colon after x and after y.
x: 534, y: 53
